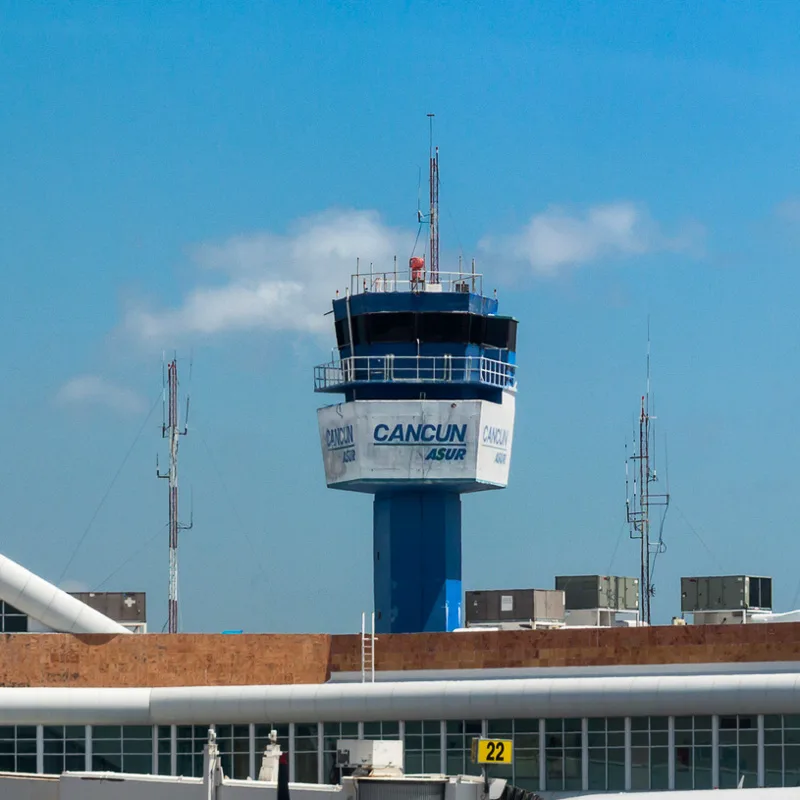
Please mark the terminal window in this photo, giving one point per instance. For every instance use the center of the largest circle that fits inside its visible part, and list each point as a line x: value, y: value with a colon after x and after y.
x: 563, y: 754
x: 523, y: 772
x: 423, y: 747
x: 649, y: 753
x: 12, y: 620
x: 693, y: 754
x: 782, y: 750
x: 607, y: 754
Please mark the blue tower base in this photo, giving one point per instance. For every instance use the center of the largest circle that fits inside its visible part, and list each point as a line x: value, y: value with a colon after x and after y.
x: 417, y: 558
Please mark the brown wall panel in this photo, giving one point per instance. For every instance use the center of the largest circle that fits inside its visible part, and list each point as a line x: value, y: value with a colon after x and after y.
x: 216, y: 660
x: 162, y: 660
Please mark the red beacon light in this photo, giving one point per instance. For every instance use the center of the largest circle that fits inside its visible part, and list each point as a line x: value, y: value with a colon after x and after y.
x: 417, y: 267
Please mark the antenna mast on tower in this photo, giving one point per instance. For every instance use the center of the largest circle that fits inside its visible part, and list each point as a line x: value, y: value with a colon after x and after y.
x: 434, y: 216
x: 639, y: 499
x: 171, y: 430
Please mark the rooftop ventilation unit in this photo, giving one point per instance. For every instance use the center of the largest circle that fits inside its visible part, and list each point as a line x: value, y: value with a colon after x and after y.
x: 600, y: 600
x: 515, y: 609
x: 725, y: 599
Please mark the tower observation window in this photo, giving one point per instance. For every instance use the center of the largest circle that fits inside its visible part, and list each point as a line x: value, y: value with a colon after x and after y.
x: 436, y: 327
x: 380, y: 328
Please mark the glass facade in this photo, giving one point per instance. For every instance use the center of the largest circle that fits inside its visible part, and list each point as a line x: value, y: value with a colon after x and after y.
x: 381, y: 730
x: 12, y: 620
x: 524, y: 733
x: 234, y: 748
x: 607, y: 754
x: 122, y: 748
x: 649, y: 753
x: 423, y: 748
x: 189, y: 743
x: 563, y: 754
x: 738, y: 751
x: 693, y: 752
x: 164, y: 754
x: 64, y: 748
x: 782, y: 750
x: 595, y: 754
x: 459, y: 745
x: 18, y: 748
x: 305, y: 752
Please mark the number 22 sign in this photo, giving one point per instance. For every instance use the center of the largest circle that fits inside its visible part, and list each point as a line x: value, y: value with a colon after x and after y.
x: 492, y: 751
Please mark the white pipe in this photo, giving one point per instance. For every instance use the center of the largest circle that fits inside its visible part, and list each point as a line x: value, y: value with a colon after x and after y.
x: 432, y: 700
x: 48, y: 604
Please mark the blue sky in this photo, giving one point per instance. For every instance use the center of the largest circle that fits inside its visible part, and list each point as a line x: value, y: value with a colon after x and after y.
x: 201, y: 177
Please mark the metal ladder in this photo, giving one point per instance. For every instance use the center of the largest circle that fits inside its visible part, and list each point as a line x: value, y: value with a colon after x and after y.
x: 367, y: 650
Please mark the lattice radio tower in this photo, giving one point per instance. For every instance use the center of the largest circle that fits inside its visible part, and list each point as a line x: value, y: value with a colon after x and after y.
x: 170, y: 429
x: 640, y: 473
x: 434, y: 214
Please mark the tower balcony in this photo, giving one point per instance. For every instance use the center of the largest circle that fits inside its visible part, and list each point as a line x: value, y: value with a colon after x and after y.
x: 345, y: 373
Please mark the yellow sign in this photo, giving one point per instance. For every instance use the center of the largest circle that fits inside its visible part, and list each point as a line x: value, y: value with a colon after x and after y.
x: 492, y: 751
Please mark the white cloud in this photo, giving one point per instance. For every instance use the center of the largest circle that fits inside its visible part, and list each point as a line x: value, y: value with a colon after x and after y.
x: 86, y: 390
x: 274, y: 282
x: 556, y: 239
x: 284, y: 282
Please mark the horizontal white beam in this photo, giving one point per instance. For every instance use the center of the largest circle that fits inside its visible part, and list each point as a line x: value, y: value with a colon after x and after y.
x: 488, y: 699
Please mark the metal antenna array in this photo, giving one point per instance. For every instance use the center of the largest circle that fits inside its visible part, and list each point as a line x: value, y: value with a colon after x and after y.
x: 639, y: 499
x: 171, y: 430
x: 434, y: 216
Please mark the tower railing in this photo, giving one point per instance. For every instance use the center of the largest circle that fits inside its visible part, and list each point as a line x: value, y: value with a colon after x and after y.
x: 415, y: 369
x: 405, y: 281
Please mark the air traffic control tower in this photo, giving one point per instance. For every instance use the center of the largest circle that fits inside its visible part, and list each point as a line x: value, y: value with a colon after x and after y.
x: 427, y: 369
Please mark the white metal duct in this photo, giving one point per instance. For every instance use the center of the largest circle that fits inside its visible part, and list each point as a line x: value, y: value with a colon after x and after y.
x: 48, y: 604
x: 366, y: 702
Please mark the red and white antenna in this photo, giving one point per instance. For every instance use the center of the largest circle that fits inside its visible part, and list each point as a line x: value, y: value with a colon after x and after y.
x: 434, y: 214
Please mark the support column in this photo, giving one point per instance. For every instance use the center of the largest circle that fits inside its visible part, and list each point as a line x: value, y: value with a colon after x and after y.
x: 715, y: 751
x: 417, y: 560
x: 442, y: 745
x: 255, y: 765
x: 321, y: 776
x: 628, y: 755
x: 154, y: 751
x: 585, y: 754
x: 671, y: 757
x: 40, y: 749
x: 292, y: 771
x: 542, y: 757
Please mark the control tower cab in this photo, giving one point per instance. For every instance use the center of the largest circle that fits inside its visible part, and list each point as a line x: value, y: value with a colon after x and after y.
x: 427, y: 369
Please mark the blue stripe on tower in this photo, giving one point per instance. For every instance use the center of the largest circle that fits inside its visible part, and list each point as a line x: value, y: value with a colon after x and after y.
x: 417, y: 558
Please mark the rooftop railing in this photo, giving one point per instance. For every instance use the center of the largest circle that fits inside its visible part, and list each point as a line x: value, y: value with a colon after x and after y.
x: 414, y: 369
x: 405, y: 281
